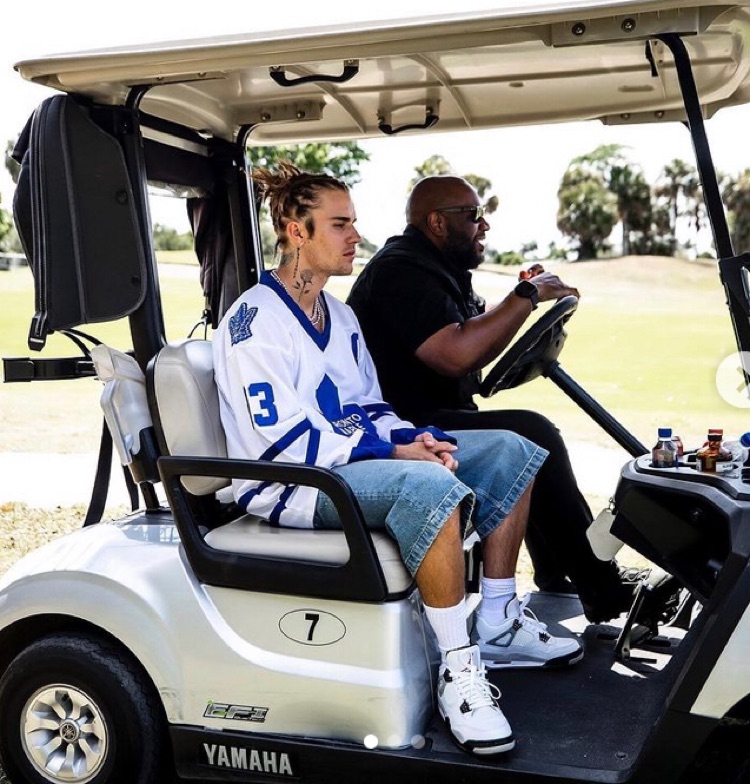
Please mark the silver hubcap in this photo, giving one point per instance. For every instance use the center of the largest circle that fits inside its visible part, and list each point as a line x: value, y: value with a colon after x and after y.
x: 63, y: 734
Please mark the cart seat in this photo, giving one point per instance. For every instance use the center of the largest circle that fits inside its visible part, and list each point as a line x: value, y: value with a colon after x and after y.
x: 185, y: 407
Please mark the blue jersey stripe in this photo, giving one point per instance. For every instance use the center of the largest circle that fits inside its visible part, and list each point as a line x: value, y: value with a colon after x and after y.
x: 377, y: 407
x: 288, y: 438
x: 245, y: 498
x: 273, y: 518
x: 313, y: 446
x: 377, y: 410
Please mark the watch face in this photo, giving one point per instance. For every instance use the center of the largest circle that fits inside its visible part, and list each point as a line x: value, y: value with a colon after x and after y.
x: 526, y: 289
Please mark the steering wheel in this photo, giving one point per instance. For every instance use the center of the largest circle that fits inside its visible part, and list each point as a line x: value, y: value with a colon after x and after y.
x: 532, y: 354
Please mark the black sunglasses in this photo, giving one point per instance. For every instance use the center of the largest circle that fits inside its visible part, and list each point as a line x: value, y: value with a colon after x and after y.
x: 475, y: 213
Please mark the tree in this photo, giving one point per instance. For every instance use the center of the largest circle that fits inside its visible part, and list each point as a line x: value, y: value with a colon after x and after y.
x: 10, y: 164
x: 434, y: 166
x: 167, y: 238
x: 8, y: 237
x: 736, y: 195
x: 627, y: 182
x: 587, y: 210
x: 340, y: 159
x: 6, y: 229
x: 678, y: 191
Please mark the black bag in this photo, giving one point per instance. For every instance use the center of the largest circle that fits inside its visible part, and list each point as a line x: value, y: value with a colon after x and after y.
x: 75, y: 214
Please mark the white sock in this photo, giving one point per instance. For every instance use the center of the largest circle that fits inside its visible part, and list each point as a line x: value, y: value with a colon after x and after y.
x: 449, y: 625
x: 497, y: 594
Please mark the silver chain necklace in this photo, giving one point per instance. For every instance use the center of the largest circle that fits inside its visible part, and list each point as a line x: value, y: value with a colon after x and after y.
x: 317, y: 313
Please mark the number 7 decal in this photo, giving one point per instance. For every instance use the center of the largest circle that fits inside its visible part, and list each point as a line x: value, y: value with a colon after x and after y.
x: 313, y: 618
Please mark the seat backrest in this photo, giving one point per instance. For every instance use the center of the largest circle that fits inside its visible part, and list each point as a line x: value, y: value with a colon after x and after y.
x: 185, y: 407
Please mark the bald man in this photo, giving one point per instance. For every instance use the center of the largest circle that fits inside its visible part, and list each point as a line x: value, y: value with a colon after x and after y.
x: 430, y: 335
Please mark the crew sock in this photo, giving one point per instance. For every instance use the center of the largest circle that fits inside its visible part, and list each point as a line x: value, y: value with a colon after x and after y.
x: 449, y: 625
x: 497, y: 594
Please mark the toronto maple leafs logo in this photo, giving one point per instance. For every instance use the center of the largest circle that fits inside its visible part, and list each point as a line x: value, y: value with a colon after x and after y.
x: 239, y: 324
x: 345, y: 420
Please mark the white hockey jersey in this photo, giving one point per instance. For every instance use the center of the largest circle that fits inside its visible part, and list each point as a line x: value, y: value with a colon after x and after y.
x: 290, y: 393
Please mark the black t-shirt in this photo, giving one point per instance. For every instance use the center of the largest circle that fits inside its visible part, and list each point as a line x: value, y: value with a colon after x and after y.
x: 406, y: 293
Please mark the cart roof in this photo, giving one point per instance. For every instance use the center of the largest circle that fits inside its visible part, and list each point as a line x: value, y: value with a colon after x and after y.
x: 546, y: 62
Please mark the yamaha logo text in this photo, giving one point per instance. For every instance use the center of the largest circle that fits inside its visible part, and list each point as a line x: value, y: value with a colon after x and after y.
x: 273, y: 763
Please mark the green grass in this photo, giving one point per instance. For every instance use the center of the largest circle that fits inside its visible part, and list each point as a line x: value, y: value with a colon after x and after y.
x: 64, y: 416
x: 645, y: 342
x: 650, y: 361
x: 176, y: 257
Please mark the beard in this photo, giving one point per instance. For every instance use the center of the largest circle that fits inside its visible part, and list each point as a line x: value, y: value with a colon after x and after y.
x: 461, y: 250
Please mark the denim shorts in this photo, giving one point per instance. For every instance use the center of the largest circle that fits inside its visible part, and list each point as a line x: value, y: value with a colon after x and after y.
x: 413, y: 499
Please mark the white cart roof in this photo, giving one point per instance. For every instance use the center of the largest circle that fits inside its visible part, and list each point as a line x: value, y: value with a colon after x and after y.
x: 544, y: 63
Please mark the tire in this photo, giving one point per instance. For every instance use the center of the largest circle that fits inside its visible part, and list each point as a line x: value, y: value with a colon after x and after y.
x: 78, y: 710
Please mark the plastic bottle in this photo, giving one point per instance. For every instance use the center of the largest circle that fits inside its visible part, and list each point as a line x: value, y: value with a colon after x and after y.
x: 678, y: 445
x: 724, y: 454
x: 739, y: 449
x: 708, y: 455
x: 664, y: 454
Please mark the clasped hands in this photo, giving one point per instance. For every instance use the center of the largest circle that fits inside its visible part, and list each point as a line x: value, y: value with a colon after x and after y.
x: 426, y: 447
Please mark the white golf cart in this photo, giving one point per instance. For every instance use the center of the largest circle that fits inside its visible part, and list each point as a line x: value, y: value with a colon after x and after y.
x: 189, y: 637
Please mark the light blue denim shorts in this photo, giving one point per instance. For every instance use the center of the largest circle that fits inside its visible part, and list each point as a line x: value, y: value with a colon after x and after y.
x: 413, y: 499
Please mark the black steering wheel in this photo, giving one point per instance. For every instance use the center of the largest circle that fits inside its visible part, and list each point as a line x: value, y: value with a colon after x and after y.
x: 532, y: 354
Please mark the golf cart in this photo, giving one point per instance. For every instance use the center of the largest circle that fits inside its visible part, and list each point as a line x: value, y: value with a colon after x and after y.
x: 190, y: 639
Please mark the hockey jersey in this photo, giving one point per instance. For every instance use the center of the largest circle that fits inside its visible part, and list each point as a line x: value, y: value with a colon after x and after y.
x: 290, y: 393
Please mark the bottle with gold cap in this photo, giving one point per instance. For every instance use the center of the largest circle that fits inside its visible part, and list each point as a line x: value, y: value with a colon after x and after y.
x: 712, y: 452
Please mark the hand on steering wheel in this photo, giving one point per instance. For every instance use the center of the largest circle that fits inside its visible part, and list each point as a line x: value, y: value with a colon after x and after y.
x: 533, y: 352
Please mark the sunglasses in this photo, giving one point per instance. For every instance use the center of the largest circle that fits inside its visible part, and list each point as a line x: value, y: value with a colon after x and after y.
x: 475, y: 214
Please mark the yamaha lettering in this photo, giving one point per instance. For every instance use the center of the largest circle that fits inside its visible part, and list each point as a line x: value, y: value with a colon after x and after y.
x: 223, y: 710
x: 272, y: 763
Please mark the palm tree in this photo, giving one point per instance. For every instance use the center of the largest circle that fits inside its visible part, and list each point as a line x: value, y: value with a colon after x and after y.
x: 736, y: 195
x: 678, y: 187
x: 628, y: 183
x: 587, y: 210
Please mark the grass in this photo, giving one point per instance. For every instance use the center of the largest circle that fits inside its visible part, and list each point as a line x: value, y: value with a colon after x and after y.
x: 646, y: 341
x: 64, y: 416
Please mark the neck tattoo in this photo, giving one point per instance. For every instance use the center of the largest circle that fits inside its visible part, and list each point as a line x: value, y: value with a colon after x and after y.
x: 318, y: 314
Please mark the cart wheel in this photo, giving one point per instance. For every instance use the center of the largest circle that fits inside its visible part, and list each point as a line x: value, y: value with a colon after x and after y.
x: 78, y: 710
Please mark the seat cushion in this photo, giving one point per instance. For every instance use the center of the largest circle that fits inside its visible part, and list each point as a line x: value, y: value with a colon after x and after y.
x: 249, y: 535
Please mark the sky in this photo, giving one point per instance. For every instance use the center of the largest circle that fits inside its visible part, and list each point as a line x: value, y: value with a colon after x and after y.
x: 525, y: 165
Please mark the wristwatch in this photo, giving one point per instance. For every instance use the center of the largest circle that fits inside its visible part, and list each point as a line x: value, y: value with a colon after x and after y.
x: 528, y: 290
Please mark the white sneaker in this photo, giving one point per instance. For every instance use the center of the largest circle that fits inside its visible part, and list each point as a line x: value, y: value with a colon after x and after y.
x: 522, y: 641
x: 468, y: 703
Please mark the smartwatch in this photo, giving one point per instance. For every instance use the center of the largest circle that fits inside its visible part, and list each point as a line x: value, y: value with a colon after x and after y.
x: 528, y: 290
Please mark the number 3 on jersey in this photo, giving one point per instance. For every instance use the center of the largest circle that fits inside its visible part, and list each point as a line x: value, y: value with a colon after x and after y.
x: 262, y: 405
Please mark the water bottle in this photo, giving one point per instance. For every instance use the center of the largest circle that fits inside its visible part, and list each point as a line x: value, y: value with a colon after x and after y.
x: 739, y: 449
x: 664, y: 454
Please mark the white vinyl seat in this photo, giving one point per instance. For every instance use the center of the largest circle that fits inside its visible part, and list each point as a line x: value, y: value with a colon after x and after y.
x: 185, y: 395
